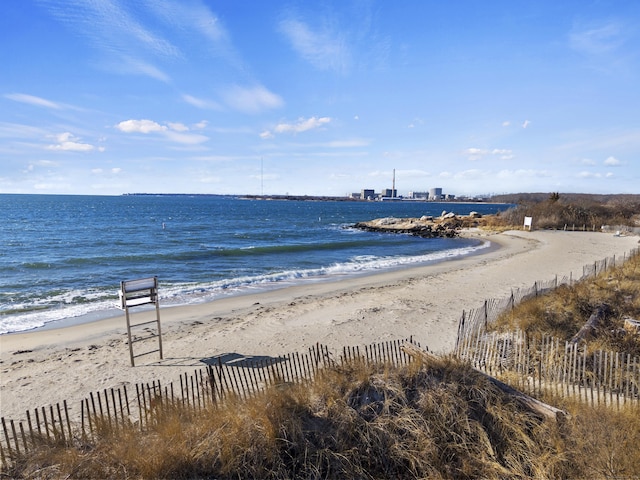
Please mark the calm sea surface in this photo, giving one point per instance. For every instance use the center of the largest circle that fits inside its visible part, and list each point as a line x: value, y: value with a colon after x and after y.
x: 63, y: 257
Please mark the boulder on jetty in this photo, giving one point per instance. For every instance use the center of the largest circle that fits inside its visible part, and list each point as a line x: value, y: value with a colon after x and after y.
x: 447, y: 225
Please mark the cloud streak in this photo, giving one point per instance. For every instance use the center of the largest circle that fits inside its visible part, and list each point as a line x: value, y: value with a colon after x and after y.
x: 475, y: 154
x: 324, y: 48
x: 597, y: 38
x: 133, y: 43
x: 302, y: 125
x: 251, y: 100
x: 201, y: 103
x: 33, y: 100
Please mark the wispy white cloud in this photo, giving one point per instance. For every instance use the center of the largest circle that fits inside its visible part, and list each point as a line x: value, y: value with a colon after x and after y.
x: 178, y: 127
x: 33, y: 100
x: 325, y: 48
x: 266, y: 135
x: 110, y: 25
x: 612, y: 162
x: 526, y: 124
x: 339, y: 40
x: 503, y: 153
x: 102, y: 171
x: 193, y: 18
x: 185, y: 138
x: 201, y: 103
x: 597, y: 38
x: 475, y: 154
x: 524, y: 173
x: 416, y: 121
x: 61, y: 186
x: 352, y: 143
x: 18, y: 130
x: 69, y: 143
x: 586, y: 174
x: 473, y: 173
x: 127, y: 65
x: 134, y: 36
x: 627, y: 140
x: 188, y: 15
x: 412, y: 174
x: 251, y: 99
x: 595, y: 175
x: 302, y: 125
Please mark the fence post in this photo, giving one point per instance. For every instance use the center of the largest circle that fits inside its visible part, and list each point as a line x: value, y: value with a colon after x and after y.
x: 486, y: 314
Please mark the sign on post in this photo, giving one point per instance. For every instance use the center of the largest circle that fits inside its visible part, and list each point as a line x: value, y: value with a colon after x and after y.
x: 527, y: 222
x: 135, y: 293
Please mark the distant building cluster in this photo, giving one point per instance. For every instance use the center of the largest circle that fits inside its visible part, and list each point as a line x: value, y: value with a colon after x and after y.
x: 433, y: 195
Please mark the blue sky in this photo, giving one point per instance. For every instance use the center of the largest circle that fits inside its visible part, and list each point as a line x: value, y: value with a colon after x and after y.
x: 319, y: 98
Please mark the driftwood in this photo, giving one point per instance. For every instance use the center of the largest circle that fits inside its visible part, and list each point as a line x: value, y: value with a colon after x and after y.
x: 595, y: 320
x: 532, y: 404
x: 630, y: 325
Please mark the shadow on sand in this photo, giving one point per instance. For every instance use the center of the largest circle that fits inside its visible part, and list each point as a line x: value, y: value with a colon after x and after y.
x: 228, y: 359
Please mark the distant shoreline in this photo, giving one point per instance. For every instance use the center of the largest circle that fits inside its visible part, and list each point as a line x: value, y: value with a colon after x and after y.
x: 305, y: 198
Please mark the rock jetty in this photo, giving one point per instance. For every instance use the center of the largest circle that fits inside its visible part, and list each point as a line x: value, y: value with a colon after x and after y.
x: 446, y: 225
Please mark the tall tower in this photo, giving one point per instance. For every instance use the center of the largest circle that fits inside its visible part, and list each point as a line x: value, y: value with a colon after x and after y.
x: 393, y: 186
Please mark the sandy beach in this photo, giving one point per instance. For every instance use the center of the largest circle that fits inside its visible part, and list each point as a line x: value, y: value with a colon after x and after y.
x: 48, y: 366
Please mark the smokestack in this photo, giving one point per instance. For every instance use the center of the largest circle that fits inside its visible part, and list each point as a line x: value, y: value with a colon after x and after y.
x: 393, y: 187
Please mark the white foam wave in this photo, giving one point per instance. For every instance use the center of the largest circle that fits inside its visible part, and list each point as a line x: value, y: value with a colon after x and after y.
x: 93, y: 304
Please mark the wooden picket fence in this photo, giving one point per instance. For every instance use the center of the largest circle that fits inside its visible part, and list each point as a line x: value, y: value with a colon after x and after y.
x: 475, y: 322
x: 201, y: 389
x: 534, y: 366
x: 547, y: 365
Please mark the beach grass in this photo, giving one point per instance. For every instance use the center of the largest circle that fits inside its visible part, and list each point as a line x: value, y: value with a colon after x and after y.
x: 569, y: 211
x: 562, y: 312
x: 441, y: 420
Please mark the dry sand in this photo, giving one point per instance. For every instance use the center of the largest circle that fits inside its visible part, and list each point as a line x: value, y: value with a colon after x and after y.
x: 48, y: 366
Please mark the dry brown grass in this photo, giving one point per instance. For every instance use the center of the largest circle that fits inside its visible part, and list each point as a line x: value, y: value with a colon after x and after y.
x: 564, y: 311
x: 441, y: 421
x: 557, y: 211
x: 358, y: 421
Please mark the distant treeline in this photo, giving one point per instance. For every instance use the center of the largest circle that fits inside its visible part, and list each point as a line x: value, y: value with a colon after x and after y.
x: 603, y: 199
x: 564, y: 210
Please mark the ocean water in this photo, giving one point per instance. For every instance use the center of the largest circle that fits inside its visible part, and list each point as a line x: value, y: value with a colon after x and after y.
x: 63, y: 257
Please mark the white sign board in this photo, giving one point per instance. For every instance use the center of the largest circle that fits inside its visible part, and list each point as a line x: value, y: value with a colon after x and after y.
x: 527, y: 222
